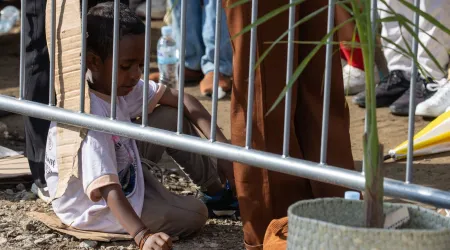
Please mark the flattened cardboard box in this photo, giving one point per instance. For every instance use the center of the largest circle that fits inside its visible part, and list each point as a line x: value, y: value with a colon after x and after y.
x: 67, y: 85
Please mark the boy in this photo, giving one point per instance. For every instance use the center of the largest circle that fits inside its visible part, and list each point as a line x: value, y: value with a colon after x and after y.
x: 114, y: 193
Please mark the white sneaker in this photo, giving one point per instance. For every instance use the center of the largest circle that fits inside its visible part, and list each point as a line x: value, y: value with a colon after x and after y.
x: 355, y: 79
x: 158, y: 9
x: 42, y: 193
x: 438, y: 103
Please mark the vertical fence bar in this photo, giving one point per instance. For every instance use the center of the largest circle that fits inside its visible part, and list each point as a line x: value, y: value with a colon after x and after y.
x: 51, y: 91
x: 83, y: 53
x: 326, y: 98
x: 251, y: 77
x: 23, y: 4
x: 289, y: 67
x: 216, y: 70
x: 181, y: 74
x: 115, y: 58
x: 148, y: 28
x: 373, y: 19
x: 412, y: 104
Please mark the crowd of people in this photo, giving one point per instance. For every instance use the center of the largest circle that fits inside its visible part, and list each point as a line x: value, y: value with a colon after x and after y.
x: 115, y: 193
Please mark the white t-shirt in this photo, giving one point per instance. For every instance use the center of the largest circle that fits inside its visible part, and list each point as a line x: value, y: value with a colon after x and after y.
x: 103, y: 159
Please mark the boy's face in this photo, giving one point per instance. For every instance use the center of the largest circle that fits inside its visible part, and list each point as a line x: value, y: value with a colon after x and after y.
x: 131, y: 64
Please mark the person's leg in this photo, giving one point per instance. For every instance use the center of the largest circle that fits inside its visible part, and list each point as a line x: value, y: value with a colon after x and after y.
x: 194, y: 42
x: 170, y: 213
x: 201, y: 169
x: 36, y: 86
x: 225, y: 52
x: 209, y: 39
x: 264, y: 195
x: 309, y: 112
x: 439, y: 9
x: 395, y: 34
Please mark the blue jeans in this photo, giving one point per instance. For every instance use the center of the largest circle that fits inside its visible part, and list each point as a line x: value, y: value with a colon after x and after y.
x: 200, y: 36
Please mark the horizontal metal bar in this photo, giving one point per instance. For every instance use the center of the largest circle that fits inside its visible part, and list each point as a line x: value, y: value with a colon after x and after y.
x: 273, y: 162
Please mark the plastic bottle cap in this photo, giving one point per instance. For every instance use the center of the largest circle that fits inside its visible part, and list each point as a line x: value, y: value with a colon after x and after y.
x: 352, y: 195
x: 166, y: 30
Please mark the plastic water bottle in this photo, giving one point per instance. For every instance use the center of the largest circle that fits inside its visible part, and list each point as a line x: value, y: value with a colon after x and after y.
x: 168, y: 58
x: 8, y: 18
x: 352, y: 195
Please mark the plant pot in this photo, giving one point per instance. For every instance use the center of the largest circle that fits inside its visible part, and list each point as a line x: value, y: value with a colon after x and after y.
x: 336, y: 223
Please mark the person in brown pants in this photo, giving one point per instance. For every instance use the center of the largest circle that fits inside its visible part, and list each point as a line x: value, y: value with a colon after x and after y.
x: 265, y: 195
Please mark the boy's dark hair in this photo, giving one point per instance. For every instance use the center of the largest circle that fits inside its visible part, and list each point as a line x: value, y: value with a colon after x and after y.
x: 100, y: 27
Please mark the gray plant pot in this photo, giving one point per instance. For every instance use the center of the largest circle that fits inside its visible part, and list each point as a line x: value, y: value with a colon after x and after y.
x: 337, y: 223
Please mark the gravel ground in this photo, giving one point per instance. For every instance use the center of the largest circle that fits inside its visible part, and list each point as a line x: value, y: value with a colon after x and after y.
x: 18, y: 231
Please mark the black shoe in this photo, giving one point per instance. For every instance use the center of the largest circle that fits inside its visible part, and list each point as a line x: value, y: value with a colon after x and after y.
x: 223, y: 204
x: 401, y: 106
x: 390, y: 88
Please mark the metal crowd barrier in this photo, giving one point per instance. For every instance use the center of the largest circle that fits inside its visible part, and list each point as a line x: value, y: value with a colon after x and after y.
x: 282, y: 163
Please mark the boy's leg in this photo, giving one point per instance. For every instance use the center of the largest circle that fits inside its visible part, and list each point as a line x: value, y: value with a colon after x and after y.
x: 201, y: 169
x: 170, y: 213
x: 439, y: 9
x: 37, y: 67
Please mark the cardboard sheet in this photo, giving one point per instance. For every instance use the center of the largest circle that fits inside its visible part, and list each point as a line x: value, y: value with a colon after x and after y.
x: 67, y: 85
x: 53, y: 222
x: 14, y: 167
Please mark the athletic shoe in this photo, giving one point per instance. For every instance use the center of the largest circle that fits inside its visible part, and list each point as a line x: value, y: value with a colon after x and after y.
x: 438, y: 103
x: 42, y: 193
x: 223, y: 204
x: 390, y: 88
x: 401, y: 106
x: 355, y: 79
x: 158, y: 9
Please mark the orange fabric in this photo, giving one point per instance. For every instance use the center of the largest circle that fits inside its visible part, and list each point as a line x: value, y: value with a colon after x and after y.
x: 265, y: 195
x: 276, y: 235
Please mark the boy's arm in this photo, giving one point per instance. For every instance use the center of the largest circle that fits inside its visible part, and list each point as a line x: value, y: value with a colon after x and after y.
x: 124, y: 213
x: 194, y: 111
x: 200, y: 117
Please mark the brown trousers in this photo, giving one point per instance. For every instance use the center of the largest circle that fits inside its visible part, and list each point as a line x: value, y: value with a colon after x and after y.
x: 265, y: 195
x: 164, y: 211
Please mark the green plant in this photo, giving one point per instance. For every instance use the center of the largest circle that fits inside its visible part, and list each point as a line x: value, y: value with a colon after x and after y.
x: 360, y: 11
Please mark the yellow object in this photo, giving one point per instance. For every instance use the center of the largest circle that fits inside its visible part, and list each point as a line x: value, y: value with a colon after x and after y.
x: 433, y: 139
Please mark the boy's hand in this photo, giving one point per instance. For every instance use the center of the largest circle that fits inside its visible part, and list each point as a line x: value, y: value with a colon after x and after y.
x: 158, y: 241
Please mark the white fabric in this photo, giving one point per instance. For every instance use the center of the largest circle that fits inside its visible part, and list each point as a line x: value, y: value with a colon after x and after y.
x: 101, y: 155
x: 440, y: 10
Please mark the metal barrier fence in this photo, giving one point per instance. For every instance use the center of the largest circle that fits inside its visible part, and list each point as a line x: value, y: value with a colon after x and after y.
x: 281, y: 163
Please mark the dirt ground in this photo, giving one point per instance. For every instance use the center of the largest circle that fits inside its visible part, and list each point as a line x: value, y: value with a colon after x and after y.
x: 18, y: 231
